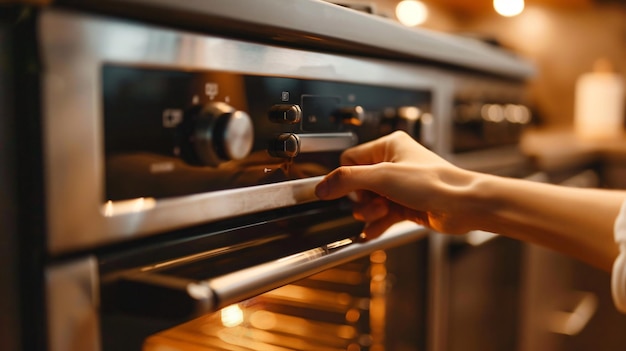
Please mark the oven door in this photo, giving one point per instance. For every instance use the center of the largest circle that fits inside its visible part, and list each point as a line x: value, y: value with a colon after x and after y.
x: 278, y: 279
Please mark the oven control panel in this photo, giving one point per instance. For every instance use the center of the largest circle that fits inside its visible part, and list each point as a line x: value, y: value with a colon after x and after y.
x: 173, y: 132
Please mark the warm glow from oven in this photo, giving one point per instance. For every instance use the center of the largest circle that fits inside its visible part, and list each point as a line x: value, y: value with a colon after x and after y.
x: 411, y: 12
x: 232, y: 316
x: 263, y: 320
x: 346, y: 332
x: 353, y: 315
x: 508, y: 8
x: 379, y: 257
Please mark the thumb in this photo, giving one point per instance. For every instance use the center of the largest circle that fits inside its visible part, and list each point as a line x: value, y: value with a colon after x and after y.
x: 344, y: 180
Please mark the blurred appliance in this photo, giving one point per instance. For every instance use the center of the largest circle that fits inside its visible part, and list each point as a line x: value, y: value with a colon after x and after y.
x: 163, y: 157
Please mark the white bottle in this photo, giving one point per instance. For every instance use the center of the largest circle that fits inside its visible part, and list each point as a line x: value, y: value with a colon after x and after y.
x: 599, y: 103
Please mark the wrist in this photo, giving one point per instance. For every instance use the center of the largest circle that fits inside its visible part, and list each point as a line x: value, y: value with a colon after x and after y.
x: 463, y: 198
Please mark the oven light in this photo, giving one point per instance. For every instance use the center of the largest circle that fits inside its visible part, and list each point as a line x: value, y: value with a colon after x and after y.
x: 353, y: 315
x: 232, y: 316
x: 378, y: 256
x: 346, y: 332
x: 114, y: 208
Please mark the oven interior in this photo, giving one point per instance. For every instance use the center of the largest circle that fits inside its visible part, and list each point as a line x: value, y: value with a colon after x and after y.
x: 376, y: 302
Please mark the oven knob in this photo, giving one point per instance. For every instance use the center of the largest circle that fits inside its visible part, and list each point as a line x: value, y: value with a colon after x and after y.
x: 285, y: 114
x: 350, y: 115
x: 220, y: 133
x: 286, y: 145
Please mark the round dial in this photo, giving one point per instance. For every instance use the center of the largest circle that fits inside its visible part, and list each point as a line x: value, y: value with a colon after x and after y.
x: 220, y: 133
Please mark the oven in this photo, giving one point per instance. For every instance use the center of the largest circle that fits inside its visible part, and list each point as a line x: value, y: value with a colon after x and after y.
x: 165, y: 157
x: 481, y: 275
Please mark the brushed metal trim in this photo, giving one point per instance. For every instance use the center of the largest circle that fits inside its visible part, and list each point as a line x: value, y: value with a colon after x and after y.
x: 74, y: 48
x: 72, y: 295
x: 326, y: 141
x: 322, y: 19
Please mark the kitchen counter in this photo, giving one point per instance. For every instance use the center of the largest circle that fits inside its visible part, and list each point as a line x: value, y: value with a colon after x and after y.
x: 555, y: 148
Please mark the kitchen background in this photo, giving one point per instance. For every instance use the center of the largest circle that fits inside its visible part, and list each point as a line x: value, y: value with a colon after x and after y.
x: 562, y: 38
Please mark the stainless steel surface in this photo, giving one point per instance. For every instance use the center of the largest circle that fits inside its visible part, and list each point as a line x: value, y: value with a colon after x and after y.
x: 439, y: 291
x: 325, y: 20
x: 72, y: 293
x: 74, y: 47
x: 326, y: 142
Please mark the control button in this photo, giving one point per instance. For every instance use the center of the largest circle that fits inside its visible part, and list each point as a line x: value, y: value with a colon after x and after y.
x: 351, y: 115
x: 285, y: 114
x: 218, y: 133
x: 286, y: 145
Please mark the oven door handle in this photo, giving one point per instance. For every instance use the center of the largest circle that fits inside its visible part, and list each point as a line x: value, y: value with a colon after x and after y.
x: 290, y: 145
x: 174, y: 298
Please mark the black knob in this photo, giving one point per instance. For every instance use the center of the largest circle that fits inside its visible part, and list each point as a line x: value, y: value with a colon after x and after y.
x: 286, y: 145
x: 285, y: 114
x: 217, y: 132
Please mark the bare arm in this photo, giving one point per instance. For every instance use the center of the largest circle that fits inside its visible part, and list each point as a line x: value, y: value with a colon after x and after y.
x: 577, y: 222
x: 396, y: 179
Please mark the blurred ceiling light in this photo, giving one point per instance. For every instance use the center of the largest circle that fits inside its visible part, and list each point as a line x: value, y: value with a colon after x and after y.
x: 508, y: 8
x: 411, y: 12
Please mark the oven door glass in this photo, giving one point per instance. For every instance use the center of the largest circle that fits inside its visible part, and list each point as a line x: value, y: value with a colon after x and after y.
x: 284, y: 280
x: 372, y: 303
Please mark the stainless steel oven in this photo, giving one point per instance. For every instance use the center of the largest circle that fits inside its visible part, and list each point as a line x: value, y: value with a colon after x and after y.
x: 163, y: 159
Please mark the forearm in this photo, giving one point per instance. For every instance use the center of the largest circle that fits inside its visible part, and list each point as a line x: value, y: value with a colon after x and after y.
x: 575, y: 221
x: 410, y: 182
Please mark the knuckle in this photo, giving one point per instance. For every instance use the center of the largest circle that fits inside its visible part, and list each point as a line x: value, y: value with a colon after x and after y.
x: 341, y: 173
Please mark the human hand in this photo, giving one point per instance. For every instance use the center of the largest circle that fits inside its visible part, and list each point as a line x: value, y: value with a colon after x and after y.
x: 395, y: 178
